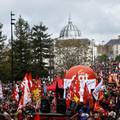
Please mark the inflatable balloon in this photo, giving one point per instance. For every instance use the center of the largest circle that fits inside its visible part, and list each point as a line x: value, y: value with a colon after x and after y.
x: 76, y: 77
x: 84, y: 72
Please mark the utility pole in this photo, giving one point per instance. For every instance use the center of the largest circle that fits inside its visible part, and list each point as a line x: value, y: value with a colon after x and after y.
x: 102, y: 47
x: 93, y: 57
x: 12, y: 23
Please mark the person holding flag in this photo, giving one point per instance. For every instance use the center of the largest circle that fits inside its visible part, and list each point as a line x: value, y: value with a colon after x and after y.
x: 26, y: 87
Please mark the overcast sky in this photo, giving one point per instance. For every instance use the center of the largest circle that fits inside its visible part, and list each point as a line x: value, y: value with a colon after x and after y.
x: 96, y: 19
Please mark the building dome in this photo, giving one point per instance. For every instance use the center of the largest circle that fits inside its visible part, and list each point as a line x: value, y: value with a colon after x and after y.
x: 70, y: 31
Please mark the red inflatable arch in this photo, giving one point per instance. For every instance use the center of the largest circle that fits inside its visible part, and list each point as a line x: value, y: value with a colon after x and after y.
x: 80, y: 69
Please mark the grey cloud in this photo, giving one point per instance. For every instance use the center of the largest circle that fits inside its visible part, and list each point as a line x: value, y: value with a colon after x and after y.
x: 95, y: 18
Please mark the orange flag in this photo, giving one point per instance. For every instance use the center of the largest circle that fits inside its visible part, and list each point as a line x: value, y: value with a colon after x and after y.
x: 101, y: 95
x: 97, y: 106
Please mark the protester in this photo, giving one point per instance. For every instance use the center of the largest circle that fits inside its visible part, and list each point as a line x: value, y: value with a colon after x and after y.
x: 106, y: 107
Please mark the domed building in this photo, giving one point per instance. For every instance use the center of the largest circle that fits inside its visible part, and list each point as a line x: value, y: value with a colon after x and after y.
x: 70, y: 48
x: 70, y: 31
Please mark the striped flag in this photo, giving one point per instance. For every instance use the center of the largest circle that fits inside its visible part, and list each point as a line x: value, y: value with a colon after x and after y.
x: 26, y: 94
x: 73, y: 92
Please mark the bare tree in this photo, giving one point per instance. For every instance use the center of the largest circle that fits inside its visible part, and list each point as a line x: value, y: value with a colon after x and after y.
x: 69, y: 53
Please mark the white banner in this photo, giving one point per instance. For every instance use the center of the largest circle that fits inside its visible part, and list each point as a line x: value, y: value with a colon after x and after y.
x: 67, y: 83
x: 97, y: 90
x: 91, y: 83
x: 82, y: 85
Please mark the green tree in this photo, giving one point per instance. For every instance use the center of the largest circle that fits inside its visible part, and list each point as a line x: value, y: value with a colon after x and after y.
x: 117, y: 58
x: 4, y: 57
x: 102, y: 58
x: 2, y: 44
x: 21, y: 49
x: 41, y: 47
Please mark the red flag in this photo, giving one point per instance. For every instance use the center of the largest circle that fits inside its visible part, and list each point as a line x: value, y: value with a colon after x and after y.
x: 101, y: 95
x: 37, y: 116
x: 68, y: 102
x: 22, y: 85
x: 26, y: 94
x: 91, y: 102
x: 28, y: 78
x: 30, y: 82
x: 86, y: 94
x: 38, y: 82
x: 73, y: 92
x: 77, y: 87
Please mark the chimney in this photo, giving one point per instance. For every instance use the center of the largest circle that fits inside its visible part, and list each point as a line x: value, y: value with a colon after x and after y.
x: 119, y: 37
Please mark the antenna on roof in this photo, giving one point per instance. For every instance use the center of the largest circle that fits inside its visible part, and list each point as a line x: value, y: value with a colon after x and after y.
x: 69, y: 18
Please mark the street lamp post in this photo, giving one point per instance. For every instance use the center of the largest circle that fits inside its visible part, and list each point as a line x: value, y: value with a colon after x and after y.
x: 12, y: 23
x: 93, y: 51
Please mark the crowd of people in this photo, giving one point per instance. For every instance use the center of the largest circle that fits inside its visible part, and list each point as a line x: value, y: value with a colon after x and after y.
x: 107, y: 107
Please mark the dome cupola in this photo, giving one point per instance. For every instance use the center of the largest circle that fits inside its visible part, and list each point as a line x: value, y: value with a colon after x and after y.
x: 70, y: 31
